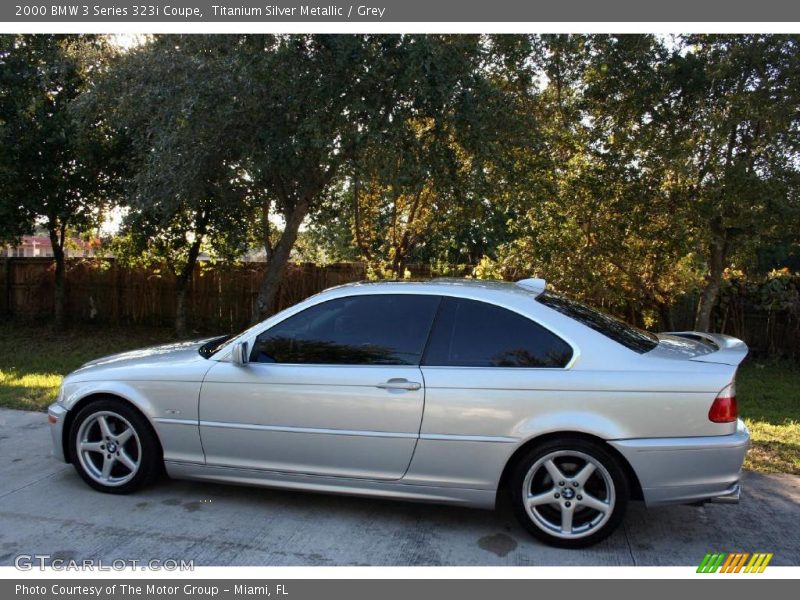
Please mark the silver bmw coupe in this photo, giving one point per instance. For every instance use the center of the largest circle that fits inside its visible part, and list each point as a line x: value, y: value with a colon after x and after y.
x: 443, y: 391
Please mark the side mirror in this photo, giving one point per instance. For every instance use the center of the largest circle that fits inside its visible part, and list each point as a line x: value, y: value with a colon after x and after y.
x: 239, y: 354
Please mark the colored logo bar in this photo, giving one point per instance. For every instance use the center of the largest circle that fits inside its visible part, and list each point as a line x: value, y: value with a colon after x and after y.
x: 734, y: 562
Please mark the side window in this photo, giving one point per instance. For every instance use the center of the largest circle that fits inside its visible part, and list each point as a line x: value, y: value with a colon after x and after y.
x: 468, y: 333
x: 381, y: 329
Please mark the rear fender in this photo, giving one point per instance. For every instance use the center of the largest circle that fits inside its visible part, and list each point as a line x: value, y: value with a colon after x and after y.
x: 573, y: 421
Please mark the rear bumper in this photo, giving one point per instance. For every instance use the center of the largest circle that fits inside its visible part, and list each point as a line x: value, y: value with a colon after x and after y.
x: 730, y: 497
x: 684, y: 470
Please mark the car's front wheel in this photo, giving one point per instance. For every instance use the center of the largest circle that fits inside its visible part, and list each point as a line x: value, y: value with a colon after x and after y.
x: 570, y: 493
x: 113, y: 448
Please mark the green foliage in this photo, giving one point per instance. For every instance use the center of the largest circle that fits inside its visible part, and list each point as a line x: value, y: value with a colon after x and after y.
x: 628, y: 170
x: 172, y: 101
x: 54, y: 169
x: 670, y: 164
x: 778, y: 292
x: 488, y: 269
x: 327, y: 236
x: 439, y: 184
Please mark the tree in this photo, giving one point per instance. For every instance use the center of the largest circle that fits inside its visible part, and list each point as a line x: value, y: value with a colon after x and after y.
x: 673, y: 157
x: 441, y: 165
x: 590, y: 216
x: 54, y: 170
x: 617, y: 184
x: 737, y: 100
x: 173, y: 100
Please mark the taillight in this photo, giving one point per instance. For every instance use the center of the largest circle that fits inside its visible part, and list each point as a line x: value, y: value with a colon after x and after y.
x: 724, y: 409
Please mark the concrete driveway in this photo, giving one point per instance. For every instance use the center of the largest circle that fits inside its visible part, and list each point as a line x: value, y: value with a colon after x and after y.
x: 46, y: 509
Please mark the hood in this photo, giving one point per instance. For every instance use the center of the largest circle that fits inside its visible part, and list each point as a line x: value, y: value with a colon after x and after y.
x: 136, y: 364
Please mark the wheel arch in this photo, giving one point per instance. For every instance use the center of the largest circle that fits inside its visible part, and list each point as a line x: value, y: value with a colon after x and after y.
x: 92, y: 397
x: 633, y: 478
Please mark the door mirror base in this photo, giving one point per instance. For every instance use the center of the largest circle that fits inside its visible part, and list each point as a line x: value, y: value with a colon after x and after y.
x: 239, y: 354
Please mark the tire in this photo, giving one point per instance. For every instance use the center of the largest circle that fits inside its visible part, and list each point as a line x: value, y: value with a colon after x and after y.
x: 546, y: 499
x: 113, y: 447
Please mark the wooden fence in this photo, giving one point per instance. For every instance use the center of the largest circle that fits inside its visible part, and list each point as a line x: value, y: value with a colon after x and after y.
x: 222, y: 298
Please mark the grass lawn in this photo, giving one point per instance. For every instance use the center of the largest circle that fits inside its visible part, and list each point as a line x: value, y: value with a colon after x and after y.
x: 34, y: 358
x: 768, y: 395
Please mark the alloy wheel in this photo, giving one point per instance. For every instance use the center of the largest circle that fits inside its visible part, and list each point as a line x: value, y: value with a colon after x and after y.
x: 568, y: 494
x: 108, y: 448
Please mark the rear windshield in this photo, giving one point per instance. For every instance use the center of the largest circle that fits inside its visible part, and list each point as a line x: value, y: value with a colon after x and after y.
x: 631, y: 337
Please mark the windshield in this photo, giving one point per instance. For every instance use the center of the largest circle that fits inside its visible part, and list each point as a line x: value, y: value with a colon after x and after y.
x: 629, y: 336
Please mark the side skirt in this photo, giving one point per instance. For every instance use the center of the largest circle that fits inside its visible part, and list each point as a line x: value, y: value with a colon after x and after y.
x: 333, y: 485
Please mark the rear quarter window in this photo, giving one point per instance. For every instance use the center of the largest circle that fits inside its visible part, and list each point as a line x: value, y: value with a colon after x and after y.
x: 470, y: 333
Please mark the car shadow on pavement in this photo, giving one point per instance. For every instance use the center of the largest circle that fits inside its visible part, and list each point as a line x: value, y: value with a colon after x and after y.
x: 311, y: 528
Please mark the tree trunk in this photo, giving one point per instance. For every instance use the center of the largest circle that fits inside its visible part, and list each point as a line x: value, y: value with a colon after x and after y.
x: 717, y: 255
x: 181, y: 328
x: 276, y: 267
x: 396, y: 262
x: 182, y: 284
x: 266, y: 233
x: 59, y: 291
x: 717, y: 250
x: 665, y: 314
x: 403, y: 248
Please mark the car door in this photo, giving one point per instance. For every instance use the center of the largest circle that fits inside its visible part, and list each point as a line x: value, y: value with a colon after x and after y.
x: 335, y: 389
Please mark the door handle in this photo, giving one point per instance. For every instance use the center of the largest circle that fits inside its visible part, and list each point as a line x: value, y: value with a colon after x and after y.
x: 399, y: 384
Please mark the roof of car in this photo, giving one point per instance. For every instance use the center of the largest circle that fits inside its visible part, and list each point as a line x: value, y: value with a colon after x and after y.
x: 451, y: 282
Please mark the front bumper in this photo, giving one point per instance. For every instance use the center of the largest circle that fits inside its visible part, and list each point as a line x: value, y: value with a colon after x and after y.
x: 685, y: 470
x: 56, y: 415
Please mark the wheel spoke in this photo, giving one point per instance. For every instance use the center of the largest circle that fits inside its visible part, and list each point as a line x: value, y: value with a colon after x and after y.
x: 107, y: 464
x: 595, y: 503
x: 584, y: 474
x: 123, y: 437
x: 91, y: 447
x: 104, y: 428
x: 566, y: 519
x: 544, y: 498
x: 126, y: 460
x: 555, y: 474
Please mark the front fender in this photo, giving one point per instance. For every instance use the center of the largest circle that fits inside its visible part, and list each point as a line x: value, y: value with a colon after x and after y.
x: 73, y: 393
x: 171, y: 407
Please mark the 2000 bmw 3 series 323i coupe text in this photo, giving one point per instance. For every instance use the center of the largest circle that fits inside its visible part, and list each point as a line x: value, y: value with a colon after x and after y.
x: 443, y: 391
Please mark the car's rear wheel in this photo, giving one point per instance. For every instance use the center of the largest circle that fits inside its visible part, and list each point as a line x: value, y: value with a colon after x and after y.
x: 570, y: 493
x: 113, y: 448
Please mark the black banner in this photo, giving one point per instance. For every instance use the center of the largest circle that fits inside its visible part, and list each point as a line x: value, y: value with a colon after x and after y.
x: 401, y: 11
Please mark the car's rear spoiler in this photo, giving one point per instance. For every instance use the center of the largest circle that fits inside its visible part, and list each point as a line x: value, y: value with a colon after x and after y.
x: 729, y: 350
